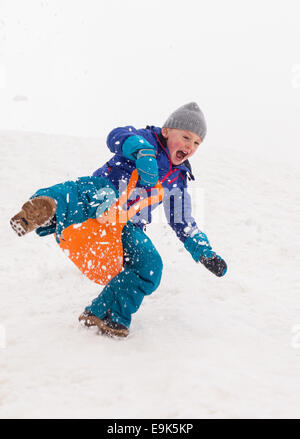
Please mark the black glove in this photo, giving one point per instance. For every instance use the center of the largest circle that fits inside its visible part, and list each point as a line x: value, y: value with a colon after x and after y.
x: 215, y: 264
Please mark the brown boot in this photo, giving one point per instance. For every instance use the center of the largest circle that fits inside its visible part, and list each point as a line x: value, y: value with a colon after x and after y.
x: 105, y: 326
x: 34, y: 214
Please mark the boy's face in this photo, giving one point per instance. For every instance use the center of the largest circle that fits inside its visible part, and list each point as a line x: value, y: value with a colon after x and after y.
x: 182, y: 144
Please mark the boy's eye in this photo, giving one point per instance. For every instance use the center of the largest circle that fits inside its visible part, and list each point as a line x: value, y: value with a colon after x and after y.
x: 187, y: 138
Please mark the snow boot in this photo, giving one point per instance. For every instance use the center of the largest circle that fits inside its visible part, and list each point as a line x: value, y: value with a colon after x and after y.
x: 35, y: 213
x: 106, y: 326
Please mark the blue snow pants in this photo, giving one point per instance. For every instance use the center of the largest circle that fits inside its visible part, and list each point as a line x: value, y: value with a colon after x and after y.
x: 141, y: 275
x: 78, y: 201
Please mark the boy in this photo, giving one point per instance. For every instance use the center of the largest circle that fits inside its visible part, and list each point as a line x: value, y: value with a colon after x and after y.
x: 156, y: 153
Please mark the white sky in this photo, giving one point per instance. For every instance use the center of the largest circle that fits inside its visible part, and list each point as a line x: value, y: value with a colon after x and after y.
x: 83, y: 67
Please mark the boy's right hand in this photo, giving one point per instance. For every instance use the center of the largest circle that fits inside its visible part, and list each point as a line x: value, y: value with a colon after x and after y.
x: 146, y: 166
x: 137, y: 148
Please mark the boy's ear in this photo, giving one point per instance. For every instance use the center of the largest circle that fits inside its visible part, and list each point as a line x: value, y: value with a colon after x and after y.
x: 165, y: 132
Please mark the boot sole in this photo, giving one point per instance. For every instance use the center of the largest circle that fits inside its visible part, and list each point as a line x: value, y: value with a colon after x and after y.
x: 103, y: 328
x: 34, y: 214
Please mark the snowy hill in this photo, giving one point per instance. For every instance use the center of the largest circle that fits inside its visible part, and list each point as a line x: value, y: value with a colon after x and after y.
x: 200, y: 346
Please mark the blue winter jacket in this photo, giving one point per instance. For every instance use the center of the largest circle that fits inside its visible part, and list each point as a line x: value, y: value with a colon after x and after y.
x: 177, y: 202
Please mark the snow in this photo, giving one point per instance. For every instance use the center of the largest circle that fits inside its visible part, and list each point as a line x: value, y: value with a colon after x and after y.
x: 200, y: 346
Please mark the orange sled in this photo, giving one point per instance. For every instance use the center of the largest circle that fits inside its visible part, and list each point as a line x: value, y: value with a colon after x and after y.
x: 95, y: 246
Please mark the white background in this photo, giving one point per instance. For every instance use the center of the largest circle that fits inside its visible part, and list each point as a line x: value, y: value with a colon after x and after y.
x: 83, y: 67
x: 200, y: 346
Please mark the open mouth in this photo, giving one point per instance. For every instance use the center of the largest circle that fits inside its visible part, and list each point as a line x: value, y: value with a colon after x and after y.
x: 180, y: 155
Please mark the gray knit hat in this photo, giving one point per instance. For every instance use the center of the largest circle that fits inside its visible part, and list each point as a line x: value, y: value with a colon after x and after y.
x: 188, y: 117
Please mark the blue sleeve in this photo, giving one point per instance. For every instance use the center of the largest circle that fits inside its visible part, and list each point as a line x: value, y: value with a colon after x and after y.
x: 178, y: 209
x: 117, y: 137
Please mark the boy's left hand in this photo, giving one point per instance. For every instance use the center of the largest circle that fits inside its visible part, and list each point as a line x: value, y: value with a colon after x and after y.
x: 215, y: 264
x: 200, y: 249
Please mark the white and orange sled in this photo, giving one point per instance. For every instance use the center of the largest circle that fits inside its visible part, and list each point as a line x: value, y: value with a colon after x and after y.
x: 95, y: 246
